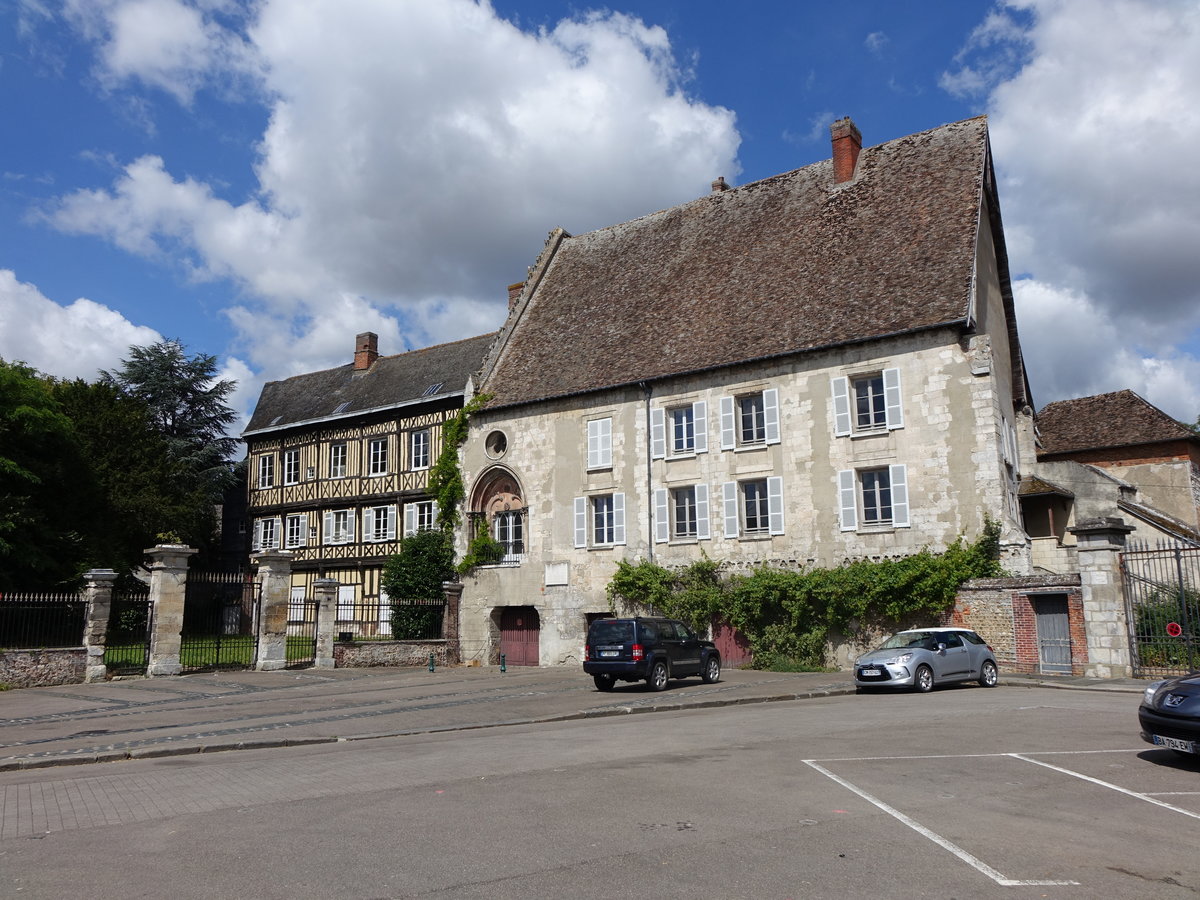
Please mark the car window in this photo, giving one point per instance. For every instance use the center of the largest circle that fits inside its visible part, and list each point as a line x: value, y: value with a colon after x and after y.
x: 905, y: 639
x: 972, y: 637
x: 950, y: 639
x: 685, y: 633
x: 649, y: 633
x: 611, y: 633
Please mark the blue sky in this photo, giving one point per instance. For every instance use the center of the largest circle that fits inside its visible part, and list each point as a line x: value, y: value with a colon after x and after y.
x: 265, y: 180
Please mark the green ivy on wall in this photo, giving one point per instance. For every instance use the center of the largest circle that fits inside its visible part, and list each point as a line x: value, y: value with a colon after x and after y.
x: 445, y: 476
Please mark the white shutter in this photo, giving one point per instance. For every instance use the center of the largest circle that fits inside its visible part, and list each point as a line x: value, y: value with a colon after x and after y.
x: 771, y: 414
x: 599, y: 443
x: 303, y: 542
x: 891, y: 398
x: 433, y: 514
x: 775, y: 505
x: 256, y: 544
x: 391, y: 523
x: 581, y: 521
x: 848, y: 499
x: 618, y: 518
x: 662, y: 517
x: 899, y: 476
x: 728, y: 424
x: 327, y: 532
x: 410, y: 519
x: 841, y: 406
x: 700, y: 420
x: 729, y: 504
x: 658, y: 433
x: 368, y: 525
x: 350, y: 523
x: 702, y: 532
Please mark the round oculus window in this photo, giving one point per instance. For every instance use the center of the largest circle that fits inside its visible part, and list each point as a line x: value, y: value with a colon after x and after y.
x: 496, y: 444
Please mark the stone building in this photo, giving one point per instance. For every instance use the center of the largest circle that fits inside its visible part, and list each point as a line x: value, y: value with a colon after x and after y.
x: 820, y: 366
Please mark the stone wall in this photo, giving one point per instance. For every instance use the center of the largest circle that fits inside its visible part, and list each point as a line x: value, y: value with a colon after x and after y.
x: 1001, y: 611
x: 42, y: 668
x: 368, y: 654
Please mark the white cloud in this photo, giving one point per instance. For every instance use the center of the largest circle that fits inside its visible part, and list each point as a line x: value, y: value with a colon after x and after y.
x: 875, y: 42
x: 1094, y: 123
x: 416, y: 156
x: 74, y: 341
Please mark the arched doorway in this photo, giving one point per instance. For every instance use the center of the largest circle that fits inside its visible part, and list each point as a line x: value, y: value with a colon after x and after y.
x: 520, y: 631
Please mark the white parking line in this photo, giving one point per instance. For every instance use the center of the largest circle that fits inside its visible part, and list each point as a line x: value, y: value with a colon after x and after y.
x: 962, y: 854
x: 1114, y: 787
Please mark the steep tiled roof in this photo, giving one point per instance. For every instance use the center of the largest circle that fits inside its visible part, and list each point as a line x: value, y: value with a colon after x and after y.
x: 391, y: 381
x: 1119, y: 419
x: 787, y: 264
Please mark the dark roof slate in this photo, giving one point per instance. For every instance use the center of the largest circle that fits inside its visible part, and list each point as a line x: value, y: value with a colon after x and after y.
x: 1118, y: 419
x: 390, y: 381
x: 783, y: 265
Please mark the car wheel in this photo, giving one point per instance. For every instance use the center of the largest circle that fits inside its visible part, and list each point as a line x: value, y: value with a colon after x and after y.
x: 659, y: 676
x: 988, y: 676
x: 923, y: 680
x: 604, y: 682
x: 712, y: 671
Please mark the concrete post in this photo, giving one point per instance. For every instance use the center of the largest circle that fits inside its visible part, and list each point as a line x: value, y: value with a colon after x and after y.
x: 1100, y: 542
x: 168, y: 589
x: 325, y: 591
x: 95, y: 627
x: 275, y: 579
x: 453, y: 590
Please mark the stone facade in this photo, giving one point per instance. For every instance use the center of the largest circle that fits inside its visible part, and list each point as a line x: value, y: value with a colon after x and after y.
x: 42, y: 668
x: 1002, y: 611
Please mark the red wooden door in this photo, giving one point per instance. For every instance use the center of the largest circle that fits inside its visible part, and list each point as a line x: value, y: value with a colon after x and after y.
x: 519, y: 632
x: 732, y: 645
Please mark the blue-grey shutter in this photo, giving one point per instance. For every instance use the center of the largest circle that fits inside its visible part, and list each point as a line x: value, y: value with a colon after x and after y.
x: 618, y: 518
x: 581, y: 521
x: 729, y: 503
x: 771, y: 414
x: 662, y: 517
x: 893, y: 405
x: 391, y: 523
x: 728, y: 424
x: 775, y: 505
x: 327, y: 532
x: 702, y: 531
x: 841, y: 406
x: 848, y: 499
x: 700, y: 419
x: 899, y: 476
x: 658, y: 433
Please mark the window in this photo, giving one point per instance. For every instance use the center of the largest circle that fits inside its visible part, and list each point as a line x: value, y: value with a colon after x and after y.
x: 599, y: 444
x: 291, y: 467
x: 418, y: 449
x: 266, y: 534
x: 295, y: 531
x: 874, y: 498
x: 683, y: 430
x: 339, y: 527
x: 337, y: 460
x: 603, y: 517
x: 420, y: 516
x: 509, y: 530
x: 379, y: 523
x: 876, y: 406
x: 751, y: 420
x: 752, y: 508
x: 378, y: 455
x: 681, y: 513
x: 266, y: 471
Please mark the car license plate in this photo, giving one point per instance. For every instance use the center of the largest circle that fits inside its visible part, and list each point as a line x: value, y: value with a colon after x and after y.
x: 608, y: 652
x: 1175, y: 743
x: 870, y: 673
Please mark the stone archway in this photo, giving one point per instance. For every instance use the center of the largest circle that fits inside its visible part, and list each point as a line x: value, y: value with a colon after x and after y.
x: 497, y: 504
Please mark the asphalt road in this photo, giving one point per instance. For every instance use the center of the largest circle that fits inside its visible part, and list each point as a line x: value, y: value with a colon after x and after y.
x: 963, y: 793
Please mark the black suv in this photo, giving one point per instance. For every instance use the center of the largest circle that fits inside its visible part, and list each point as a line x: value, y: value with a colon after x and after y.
x: 650, y: 650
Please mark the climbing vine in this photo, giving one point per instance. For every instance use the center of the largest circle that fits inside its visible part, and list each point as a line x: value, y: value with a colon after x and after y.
x: 788, y: 616
x: 445, y: 476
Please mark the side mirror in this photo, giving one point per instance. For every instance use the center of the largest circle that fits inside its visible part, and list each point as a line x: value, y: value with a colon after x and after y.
x: 941, y: 648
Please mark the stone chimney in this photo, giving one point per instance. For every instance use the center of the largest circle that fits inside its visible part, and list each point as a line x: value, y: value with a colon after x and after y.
x: 719, y: 185
x: 366, y: 350
x: 847, y: 141
x: 514, y: 294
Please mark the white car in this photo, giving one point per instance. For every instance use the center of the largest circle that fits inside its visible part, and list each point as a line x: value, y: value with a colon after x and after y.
x: 920, y: 658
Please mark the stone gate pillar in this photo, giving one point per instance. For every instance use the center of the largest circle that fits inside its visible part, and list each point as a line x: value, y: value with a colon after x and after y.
x: 1101, y: 541
x: 168, y: 590
x: 275, y: 580
x: 95, y: 627
x: 453, y: 590
x: 325, y: 591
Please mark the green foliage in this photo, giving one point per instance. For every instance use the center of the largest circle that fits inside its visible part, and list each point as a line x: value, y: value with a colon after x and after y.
x: 484, y: 550
x: 412, y: 622
x: 445, y: 477
x: 417, y: 572
x: 1151, y: 616
x: 789, y: 616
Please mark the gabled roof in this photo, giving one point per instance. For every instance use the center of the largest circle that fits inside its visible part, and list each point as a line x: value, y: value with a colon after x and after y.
x: 418, y: 376
x: 779, y: 266
x: 1119, y: 419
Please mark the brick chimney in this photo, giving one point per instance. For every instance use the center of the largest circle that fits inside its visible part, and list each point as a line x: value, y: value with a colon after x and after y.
x: 366, y: 350
x: 847, y: 141
x: 514, y: 294
x: 719, y: 185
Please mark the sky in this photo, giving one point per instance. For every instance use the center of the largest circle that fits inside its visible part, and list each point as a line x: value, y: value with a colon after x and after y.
x: 265, y: 180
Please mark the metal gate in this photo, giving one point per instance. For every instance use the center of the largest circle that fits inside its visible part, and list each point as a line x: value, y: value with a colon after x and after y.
x: 1162, y: 601
x: 301, y: 630
x: 220, y: 614
x: 127, y: 641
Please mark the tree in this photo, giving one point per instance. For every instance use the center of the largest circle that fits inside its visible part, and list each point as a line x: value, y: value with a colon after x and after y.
x: 416, y: 573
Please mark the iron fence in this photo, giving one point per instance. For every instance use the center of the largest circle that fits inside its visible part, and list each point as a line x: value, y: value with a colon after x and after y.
x: 219, y: 622
x: 416, y: 619
x: 31, y: 621
x: 127, y: 640
x: 1162, y: 597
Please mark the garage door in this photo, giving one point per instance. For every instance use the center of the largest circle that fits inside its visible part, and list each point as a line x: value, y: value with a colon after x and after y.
x: 519, y: 630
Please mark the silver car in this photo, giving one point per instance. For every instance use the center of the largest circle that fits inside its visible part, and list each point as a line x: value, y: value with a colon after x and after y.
x: 922, y: 657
